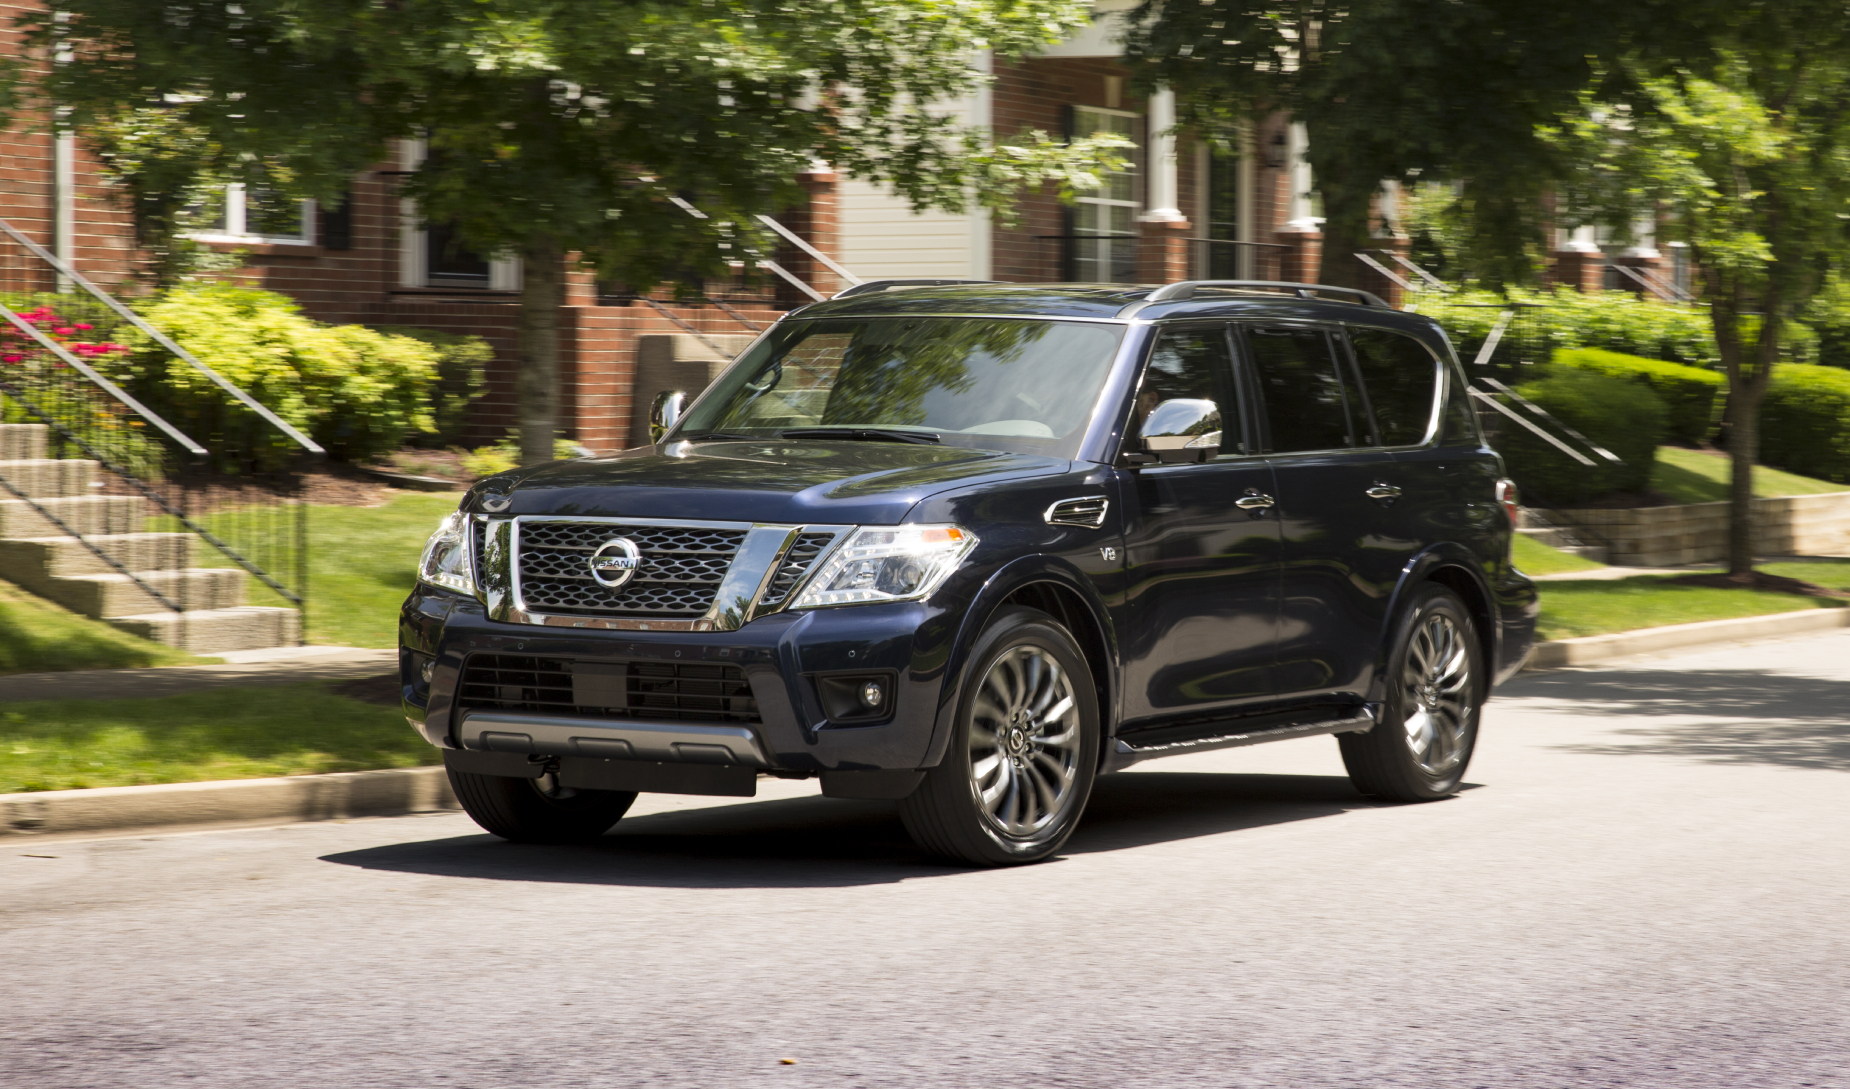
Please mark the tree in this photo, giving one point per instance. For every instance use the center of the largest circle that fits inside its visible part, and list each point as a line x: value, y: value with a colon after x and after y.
x: 562, y: 127
x: 1392, y: 89
x: 1745, y: 155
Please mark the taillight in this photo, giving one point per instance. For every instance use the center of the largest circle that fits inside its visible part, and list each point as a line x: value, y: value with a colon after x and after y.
x: 1506, y: 495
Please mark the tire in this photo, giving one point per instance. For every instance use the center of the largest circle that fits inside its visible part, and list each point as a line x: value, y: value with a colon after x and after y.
x: 1419, y: 749
x: 538, y: 810
x: 1023, y: 753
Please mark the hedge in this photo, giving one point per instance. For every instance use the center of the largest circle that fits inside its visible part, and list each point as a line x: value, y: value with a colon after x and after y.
x: 1805, y: 422
x: 1617, y: 321
x: 1691, y: 395
x: 462, y: 379
x: 356, y: 391
x: 1620, y: 415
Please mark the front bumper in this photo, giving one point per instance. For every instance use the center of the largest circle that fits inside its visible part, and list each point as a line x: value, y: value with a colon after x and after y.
x: 781, y: 657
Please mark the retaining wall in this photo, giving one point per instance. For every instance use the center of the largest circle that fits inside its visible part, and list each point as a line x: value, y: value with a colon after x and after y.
x: 1797, y: 525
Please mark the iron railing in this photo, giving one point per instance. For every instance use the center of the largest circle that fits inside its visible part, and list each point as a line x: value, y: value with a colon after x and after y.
x: 137, y: 484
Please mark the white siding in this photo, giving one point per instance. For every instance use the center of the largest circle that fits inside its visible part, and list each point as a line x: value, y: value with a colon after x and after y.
x: 881, y: 238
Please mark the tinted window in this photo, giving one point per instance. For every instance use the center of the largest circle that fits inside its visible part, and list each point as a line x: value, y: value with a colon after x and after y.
x: 1459, y: 427
x: 1305, y: 404
x: 1192, y: 364
x: 1400, y: 377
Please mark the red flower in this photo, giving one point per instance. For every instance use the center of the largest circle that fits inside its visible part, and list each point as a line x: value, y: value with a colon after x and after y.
x: 65, y: 331
x: 84, y: 327
x: 11, y: 358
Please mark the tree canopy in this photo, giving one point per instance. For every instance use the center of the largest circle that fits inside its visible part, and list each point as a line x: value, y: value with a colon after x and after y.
x: 570, y: 126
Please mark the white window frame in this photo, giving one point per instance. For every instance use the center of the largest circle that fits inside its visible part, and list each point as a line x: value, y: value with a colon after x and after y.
x: 414, y: 243
x: 237, y: 226
x: 1135, y: 203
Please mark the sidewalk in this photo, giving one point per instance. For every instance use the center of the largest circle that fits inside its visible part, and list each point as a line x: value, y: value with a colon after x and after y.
x: 247, y: 668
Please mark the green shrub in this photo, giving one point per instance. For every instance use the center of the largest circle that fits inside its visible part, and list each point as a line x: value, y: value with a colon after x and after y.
x: 1617, y: 321
x: 1828, y: 315
x: 1617, y: 414
x: 1691, y: 395
x: 1805, y: 422
x: 356, y: 391
x: 462, y: 379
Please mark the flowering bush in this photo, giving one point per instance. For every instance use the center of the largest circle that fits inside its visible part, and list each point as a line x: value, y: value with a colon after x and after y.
x: 76, y: 337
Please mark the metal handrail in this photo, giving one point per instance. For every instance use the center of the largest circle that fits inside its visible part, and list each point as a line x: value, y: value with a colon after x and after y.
x: 161, y: 338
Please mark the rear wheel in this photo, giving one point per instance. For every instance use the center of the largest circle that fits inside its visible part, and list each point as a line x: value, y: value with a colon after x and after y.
x: 538, y: 810
x: 1020, y: 766
x: 1420, y: 748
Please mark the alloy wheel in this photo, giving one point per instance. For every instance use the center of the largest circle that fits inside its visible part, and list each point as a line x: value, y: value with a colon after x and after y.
x: 1024, y: 742
x: 1436, y: 695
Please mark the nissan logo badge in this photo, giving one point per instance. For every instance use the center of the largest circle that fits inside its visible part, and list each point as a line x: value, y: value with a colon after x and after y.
x: 615, y: 562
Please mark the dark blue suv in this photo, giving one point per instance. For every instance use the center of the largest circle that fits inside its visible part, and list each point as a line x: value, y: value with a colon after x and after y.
x: 969, y: 547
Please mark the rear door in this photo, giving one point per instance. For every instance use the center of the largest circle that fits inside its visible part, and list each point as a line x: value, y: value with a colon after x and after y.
x: 1201, y: 602
x: 1343, y: 544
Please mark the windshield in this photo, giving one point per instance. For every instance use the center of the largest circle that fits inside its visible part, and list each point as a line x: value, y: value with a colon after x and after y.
x: 1000, y: 383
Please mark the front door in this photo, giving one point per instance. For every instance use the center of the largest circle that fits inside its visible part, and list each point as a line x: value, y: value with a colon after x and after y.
x: 1201, y: 597
x: 1343, y: 543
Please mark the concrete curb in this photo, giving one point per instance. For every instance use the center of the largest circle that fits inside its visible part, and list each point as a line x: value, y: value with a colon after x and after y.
x: 228, y: 801
x: 1589, y: 649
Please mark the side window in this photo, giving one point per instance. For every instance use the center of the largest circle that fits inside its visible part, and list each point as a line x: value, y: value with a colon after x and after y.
x: 1401, y: 379
x: 1459, y: 426
x: 1193, y: 363
x: 1306, y: 406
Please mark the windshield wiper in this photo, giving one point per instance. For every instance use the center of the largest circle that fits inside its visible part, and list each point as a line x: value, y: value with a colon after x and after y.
x: 861, y: 434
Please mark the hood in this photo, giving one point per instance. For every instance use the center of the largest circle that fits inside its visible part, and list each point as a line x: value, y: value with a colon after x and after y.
x: 871, y: 483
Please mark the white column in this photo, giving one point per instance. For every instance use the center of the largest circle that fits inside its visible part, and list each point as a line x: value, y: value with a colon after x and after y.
x: 981, y: 114
x: 411, y: 265
x: 63, y: 172
x: 1249, y: 151
x: 1161, y: 197
x: 1303, y: 181
x: 1644, y: 239
x: 1579, y: 240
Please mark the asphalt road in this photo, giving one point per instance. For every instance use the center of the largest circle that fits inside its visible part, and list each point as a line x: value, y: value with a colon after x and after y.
x: 1645, y: 886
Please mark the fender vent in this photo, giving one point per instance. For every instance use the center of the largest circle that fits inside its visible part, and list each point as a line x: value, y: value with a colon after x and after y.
x: 1088, y: 512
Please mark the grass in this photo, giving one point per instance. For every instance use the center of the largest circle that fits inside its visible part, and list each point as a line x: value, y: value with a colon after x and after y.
x: 37, y: 636
x: 1535, y: 558
x: 362, y: 562
x: 1594, y: 607
x: 1701, y: 476
x: 229, y: 733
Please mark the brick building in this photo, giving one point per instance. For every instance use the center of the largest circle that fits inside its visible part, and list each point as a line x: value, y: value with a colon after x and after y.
x: 1182, y: 210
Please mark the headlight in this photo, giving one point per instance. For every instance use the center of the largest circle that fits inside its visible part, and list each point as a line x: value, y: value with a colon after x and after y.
x: 887, y: 563
x: 446, y: 556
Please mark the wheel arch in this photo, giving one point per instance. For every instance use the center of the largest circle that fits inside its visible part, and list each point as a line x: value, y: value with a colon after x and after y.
x: 1052, y: 586
x: 1452, y: 567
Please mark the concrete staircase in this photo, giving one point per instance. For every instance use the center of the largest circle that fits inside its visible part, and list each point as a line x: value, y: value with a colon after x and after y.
x: 38, y: 556
x: 1531, y: 525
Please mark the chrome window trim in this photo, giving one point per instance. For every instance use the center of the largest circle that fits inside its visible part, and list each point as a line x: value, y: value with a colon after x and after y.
x: 735, y: 602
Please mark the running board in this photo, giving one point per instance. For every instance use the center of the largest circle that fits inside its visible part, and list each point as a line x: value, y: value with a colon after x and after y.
x: 1362, y: 721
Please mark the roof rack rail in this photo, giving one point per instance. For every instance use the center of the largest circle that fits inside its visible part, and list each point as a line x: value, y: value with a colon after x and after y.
x: 883, y: 285
x: 1185, y: 289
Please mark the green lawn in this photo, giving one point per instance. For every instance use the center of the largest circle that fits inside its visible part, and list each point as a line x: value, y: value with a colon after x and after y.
x: 1700, y: 476
x: 1534, y: 558
x: 1595, y: 607
x: 37, y: 636
x: 362, y: 561
x: 229, y: 733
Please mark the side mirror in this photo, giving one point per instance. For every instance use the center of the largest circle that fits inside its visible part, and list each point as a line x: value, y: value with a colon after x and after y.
x: 664, y: 411
x: 1183, y: 429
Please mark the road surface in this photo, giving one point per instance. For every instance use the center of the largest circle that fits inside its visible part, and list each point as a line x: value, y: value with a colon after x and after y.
x: 1645, y: 885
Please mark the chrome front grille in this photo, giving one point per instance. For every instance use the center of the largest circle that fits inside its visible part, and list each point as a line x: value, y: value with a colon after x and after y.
x: 798, y: 560
x: 690, y: 691
x: 681, y: 571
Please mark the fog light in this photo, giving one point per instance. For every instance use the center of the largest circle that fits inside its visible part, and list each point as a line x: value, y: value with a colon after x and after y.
x: 427, y: 669
x: 872, y: 694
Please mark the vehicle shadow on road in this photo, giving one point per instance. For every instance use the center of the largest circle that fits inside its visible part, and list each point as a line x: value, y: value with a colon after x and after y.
x: 803, y: 842
x: 1737, y: 716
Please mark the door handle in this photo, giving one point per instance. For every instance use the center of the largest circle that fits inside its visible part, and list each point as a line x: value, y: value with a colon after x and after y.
x: 1384, y: 493
x: 1255, y: 501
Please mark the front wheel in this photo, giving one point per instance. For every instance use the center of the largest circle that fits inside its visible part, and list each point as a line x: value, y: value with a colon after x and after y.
x: 1419, y: 749
x: 538, y: 810
x: 1020, y: 766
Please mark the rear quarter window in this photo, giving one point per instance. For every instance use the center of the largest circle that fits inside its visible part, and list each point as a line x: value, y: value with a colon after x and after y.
x: 1401, y: 378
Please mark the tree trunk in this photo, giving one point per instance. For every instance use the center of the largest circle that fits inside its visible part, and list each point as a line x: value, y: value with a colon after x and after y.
x: 1346, y: 205
x: 1746, y: 390
x: 542, y: 294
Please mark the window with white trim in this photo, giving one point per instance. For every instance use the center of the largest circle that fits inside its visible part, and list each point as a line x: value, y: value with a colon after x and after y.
x: 237, y: 213
x: 1104, y: 246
